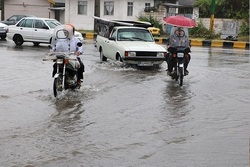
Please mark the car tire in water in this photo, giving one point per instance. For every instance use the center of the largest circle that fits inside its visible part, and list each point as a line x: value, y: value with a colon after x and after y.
x: 118, y: 57
x: 3, y: 36
x: 18, y: 39
x: 102, y: 57
x: 36, y: 43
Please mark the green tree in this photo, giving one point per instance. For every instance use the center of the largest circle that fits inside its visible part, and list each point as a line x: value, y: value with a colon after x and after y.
x: 235, y: 9
x: 204, y: 8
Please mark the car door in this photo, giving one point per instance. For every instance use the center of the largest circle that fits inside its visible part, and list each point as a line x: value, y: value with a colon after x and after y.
x: 111, y: 45
x: 25, y: 28
x: 41, y: 32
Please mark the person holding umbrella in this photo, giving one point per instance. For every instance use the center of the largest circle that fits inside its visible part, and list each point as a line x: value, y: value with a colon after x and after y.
x: 178, y: 38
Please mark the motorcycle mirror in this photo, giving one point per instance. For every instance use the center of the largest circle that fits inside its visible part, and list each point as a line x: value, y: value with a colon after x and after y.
x: 62, y: 34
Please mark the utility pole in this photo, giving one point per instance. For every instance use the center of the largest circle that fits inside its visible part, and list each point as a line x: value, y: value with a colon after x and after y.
x: 212, y: 10
x: 2, y: 9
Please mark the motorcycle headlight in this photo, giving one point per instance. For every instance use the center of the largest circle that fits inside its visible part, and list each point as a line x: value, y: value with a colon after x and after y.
x: 59, y: 61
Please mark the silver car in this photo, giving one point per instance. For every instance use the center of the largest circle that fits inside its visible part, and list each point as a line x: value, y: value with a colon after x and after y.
x: 33, y: 29
x: 12, y: 20
x: 3, y: 30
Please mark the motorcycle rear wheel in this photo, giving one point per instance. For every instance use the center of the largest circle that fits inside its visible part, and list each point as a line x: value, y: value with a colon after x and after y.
x: 57, y: 85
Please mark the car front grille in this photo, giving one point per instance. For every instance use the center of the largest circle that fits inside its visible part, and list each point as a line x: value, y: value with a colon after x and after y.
x: 149, y: 54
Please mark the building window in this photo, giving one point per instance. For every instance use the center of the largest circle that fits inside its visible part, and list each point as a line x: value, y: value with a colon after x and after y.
x: 82, y: 7
x: 147, y: 5
x: 109, y: 8
x: 130, y: 9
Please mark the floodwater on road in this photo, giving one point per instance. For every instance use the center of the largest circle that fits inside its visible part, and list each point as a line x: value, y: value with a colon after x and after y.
x: 123, y: 116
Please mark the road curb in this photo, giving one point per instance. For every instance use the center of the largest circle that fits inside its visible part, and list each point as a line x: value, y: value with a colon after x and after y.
x: 89, y: 35
x: 194, y: 42
x: 212, y: 43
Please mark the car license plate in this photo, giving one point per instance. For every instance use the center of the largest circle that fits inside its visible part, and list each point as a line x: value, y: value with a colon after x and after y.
x: 145, y: 64
x: 180, y: 55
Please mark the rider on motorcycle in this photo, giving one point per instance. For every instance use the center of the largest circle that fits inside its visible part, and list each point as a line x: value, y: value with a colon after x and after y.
x: 70, y: 44
x: 178, y: 38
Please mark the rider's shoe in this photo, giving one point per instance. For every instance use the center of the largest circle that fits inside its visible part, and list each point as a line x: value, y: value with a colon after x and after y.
x: 79, y: 82
x: 186, y: 72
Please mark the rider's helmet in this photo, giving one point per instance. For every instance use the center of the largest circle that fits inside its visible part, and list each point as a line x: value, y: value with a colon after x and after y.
x: 64, y: 31
x: 71, y: 30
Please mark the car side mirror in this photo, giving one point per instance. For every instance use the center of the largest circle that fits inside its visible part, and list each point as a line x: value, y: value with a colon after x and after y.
x: 112, y: 38
x: 45, y: 27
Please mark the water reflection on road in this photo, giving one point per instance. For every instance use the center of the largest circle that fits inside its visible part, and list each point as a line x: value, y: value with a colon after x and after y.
x: 123, y: 116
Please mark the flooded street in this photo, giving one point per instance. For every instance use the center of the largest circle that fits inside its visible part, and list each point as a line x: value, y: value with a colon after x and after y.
x: 124, y: 116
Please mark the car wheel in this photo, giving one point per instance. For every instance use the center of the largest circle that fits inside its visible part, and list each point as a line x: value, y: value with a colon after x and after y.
x: 156, y: 66
x: 50, y: 41
x: 102, y: 57
x: 3, y: 36
x: 18, y: 39
x: 118, y: 57
x: 36, y: 43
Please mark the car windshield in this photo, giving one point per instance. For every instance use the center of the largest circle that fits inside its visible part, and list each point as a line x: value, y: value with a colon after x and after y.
x: 52, y: 23
x: 131, y: 34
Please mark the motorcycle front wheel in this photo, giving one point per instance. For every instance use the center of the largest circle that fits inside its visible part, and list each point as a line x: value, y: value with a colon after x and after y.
x: 181, y: 75
x: 57, y: 85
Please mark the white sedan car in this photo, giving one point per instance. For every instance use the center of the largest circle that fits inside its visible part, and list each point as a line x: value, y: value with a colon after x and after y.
x: 131, y: 45
x: 3, y: 30
x: 34, y: 29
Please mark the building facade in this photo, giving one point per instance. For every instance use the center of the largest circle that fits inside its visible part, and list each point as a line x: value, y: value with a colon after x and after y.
x: 38, y: 8
x: 78, y: 12
x: 81, y: 12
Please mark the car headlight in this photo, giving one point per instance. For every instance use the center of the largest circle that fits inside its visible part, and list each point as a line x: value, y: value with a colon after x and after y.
x: 130, y: 54
x: 160, y: 54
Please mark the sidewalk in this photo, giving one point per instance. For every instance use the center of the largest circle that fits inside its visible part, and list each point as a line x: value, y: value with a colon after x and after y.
x: 195, y: 42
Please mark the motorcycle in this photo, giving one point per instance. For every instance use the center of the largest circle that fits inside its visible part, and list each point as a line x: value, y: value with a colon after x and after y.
x: 65, y: 66
x: 178, y: 70
x: 65, y: 71
x: 179, y: 44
